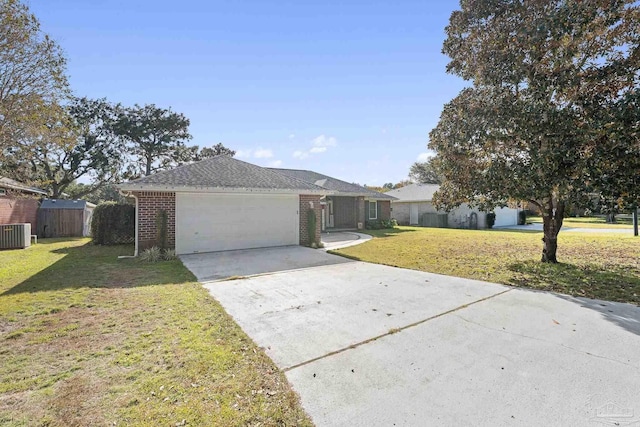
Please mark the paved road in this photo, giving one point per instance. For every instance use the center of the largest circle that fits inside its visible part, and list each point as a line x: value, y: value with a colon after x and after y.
x: 369, y: 345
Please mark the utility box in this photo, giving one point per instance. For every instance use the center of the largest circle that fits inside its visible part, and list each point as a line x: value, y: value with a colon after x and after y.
x: 15, y: 236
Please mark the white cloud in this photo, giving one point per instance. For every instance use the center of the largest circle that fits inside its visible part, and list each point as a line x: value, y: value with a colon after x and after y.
x: 262, y: 153
x: 423, y: 157
x: 275, y: 164
x: 243, y: 154
x: 324, y: 141
x: 319, y: 144
x: 300, y: 154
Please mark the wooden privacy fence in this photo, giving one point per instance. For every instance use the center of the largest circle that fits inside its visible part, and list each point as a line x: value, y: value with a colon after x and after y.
x: 60, y: 222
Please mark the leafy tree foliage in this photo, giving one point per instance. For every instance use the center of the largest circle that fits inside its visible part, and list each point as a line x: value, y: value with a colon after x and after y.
x: 216, y: 150
x: 77, y: 141
x: 425, y: 172
x: 156, y: 138
x: 546, y: 118
x: 32, y: 72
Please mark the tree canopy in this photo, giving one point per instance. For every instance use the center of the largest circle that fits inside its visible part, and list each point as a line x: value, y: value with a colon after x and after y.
x: 425, y: 172
x: 156, y: 137
x: 547, y: 115
x: 32, y: 72
x: 78, y: 141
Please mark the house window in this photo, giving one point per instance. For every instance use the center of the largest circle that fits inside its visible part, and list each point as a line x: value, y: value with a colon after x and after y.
x: 3, y: 192
x: 373, y: 210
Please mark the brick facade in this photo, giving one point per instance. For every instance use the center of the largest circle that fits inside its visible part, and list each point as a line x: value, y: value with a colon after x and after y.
x: 384, y: 209
x: 149, y: 204
x: 16, y: 210
x: 305, y: 207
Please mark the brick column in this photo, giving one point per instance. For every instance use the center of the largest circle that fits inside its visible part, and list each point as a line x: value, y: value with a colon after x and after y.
x: 149, y: 203
x: 305, y: 206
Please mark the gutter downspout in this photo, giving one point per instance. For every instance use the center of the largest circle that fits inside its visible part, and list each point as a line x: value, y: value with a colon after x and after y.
x: 135, y: 250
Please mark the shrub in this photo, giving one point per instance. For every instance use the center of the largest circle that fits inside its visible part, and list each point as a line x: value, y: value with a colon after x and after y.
x: 113, y: 224
x: 153, y: 254
x: 522, y: 218
x: 381, y: 224
x: 491, y: 219
x: 169, y: 254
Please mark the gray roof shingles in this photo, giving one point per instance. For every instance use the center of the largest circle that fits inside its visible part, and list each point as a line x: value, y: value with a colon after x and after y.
x: 15, y: 185
x: 415, y: 192
x: 332, y: 184
x: 222, y: 172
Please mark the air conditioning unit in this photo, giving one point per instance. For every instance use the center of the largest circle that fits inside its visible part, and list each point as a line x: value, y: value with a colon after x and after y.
x: 15, y: 236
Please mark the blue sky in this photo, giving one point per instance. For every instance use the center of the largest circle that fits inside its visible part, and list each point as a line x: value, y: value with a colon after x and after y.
x: 349, y: 89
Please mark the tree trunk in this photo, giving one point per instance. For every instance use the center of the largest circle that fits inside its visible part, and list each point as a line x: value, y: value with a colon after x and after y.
x: 148, y: 168
x: 552, y: 218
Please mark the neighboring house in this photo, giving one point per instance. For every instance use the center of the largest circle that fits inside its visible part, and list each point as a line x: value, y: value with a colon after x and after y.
x: 221, y: 203
x: 19, y: 202
x: 350, y: 206
x: 65, y: 218
x: 415, y: 200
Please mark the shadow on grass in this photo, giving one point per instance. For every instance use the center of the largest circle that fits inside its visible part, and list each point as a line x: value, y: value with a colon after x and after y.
x: 611, y: 283
x: 387, y: 232
x: 90, y: 266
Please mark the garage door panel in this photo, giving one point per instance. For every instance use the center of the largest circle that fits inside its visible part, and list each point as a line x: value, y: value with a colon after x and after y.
x: 505, y: 217
x: 208, y: 223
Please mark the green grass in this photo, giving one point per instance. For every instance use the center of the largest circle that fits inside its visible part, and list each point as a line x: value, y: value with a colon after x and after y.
x: 88, y: 339
x: 589, y: 222
x: 603, y: 266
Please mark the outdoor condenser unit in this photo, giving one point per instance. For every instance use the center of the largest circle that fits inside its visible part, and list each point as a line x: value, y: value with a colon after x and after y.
x: 15, y: 236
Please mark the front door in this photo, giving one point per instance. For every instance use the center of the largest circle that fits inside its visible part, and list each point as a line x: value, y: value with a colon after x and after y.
x: 413, y: 214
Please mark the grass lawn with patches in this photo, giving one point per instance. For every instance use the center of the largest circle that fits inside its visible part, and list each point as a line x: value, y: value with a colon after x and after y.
x: 622, y: 222
x: 88, y: 339
x: 591, y: 265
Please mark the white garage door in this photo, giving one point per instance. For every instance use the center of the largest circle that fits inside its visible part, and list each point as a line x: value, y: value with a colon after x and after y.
x: 223, y: 222
x: 506, y: 216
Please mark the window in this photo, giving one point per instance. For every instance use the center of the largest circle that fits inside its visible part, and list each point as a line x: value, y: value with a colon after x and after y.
x: 373, y: 210
x: 3, y: 192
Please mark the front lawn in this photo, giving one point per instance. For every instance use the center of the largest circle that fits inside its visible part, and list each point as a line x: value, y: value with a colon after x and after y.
x: 592, y: 265
x: 87, y: 339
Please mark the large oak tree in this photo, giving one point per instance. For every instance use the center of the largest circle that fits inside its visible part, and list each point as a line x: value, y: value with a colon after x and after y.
x: 32, y: 72
x: 544, y: 118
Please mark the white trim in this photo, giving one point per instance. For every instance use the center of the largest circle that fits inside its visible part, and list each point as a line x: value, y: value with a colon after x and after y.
x: 369, y: 209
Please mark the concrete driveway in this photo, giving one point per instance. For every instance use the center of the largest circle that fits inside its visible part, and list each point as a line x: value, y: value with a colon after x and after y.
x: 366, y: 344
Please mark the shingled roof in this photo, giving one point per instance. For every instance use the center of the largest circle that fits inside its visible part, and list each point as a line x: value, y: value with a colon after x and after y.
x: 221, y: 172
x: 332, y: 184
x: 415, y: 192
x: 15, y: 185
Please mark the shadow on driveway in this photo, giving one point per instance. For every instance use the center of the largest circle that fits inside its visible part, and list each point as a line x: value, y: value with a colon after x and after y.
x: 213, y: 266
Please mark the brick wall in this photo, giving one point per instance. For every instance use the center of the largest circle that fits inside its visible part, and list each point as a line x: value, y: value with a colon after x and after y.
x: 384, y: 209
x: 19, y: 210
x: 149, y: 204
x: 305, y: 201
